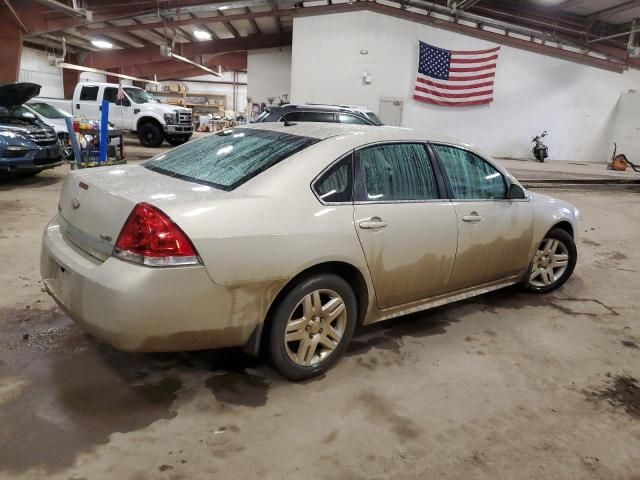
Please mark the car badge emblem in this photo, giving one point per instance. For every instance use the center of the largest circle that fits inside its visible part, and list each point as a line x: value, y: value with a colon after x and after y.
x: 75, y: 203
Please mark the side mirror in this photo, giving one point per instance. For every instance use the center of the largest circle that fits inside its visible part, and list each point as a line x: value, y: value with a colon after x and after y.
x: 516, y: 192
x: 124, y: 102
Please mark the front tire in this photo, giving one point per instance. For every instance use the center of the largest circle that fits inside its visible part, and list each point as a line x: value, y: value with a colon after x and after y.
x: 65, y: 145
x: 178, y: 140
x: 312, y: 326
x: 553, y: 263
x: 150, y: 135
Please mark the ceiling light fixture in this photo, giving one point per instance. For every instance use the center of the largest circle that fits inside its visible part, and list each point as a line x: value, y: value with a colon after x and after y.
x: 201, y: 35
x: 101, y: 44
x: 80, y: 68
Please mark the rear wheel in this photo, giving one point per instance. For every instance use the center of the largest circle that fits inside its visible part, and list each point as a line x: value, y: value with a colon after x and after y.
x: 150, y: 135
x: 312, y: 326
x: 553, y: 263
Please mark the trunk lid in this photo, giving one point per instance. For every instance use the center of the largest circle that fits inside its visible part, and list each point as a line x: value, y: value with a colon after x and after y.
x: 95, y: 203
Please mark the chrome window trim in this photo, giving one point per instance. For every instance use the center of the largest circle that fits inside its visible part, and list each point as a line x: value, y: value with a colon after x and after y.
x: 506, y: 176
x: 382, y: 202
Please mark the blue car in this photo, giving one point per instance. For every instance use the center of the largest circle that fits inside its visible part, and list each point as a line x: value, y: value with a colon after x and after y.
x: 27, y: 145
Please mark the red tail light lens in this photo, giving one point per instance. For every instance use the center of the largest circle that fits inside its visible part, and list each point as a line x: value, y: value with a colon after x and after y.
x: 150, y: 237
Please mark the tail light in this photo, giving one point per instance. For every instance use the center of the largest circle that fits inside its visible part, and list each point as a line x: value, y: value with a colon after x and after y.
x: 149, y: 237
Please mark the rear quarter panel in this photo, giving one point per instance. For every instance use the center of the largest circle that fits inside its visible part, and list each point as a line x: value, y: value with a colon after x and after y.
x: 272, y: 227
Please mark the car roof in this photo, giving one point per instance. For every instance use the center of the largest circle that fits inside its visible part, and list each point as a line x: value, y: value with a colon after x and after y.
x: 324, y: 130
x: 320, y: 107
x: 358, y: 133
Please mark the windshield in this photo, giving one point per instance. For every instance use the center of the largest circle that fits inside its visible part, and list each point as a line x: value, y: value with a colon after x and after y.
x: 19, y: 112
x: 374, y: 118
x: 48, y: 111
x: 228, y: 159
x: 140, y: 96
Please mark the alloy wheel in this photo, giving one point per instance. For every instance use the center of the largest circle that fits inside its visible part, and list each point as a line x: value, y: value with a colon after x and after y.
x: 315, y: 327
x: 549, y: 264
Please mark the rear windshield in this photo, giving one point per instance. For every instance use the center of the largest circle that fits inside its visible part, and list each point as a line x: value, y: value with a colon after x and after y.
x: 227, y: 159
x: 374, y: 118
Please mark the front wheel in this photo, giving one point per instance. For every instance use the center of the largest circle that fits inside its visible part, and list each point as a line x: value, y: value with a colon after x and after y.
x: 65, y: 145
x: 150, y: 135
x: 553, y: 262
x: 178, y: 139
x: 312, y: 326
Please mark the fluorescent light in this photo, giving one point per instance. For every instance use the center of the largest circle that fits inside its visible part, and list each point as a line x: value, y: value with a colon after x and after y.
x: 224, y: 7
x: 80, y: 68
x: 101, y: 44
x: 201, y: 35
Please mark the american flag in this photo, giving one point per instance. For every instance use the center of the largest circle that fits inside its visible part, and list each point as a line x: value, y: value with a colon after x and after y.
x: 455, y: 78
x: 120, y: 95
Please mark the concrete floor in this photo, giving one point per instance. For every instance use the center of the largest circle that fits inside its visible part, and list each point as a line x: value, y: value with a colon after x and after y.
x: 508, y: 385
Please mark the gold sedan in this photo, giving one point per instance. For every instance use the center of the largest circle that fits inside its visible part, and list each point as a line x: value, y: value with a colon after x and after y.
x: 285, y: 237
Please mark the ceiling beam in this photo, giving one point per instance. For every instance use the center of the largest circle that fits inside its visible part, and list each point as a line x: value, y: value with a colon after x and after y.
x: 253, y: 23
x: 202, y: 26
x: 234, y: 61
x: 130, y: 56
x: 276, y: 15
x: 16, y: 17
x: 39, y: 19
x: 467, y: 30
x: 228, y: 26
x: 186, y: 21
x: 608, y: 12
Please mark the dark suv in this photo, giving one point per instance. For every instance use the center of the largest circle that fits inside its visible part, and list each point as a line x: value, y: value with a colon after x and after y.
x: 319, y: 113
x: 27, y: 145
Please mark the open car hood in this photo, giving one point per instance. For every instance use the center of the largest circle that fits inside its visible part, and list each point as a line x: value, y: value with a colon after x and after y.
x: 14, y: 94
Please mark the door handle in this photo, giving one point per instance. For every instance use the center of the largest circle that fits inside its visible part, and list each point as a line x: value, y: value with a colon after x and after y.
x: 77, y: 106
x: 473, y: 217
x: 373, y: 223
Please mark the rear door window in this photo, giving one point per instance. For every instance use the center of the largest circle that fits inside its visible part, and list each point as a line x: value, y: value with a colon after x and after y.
x: 310, y: 117
x: 89, y: 93
x: 352, y: 119
x: 110, y: 94
x: 397, y: 172
x: 228, y: 159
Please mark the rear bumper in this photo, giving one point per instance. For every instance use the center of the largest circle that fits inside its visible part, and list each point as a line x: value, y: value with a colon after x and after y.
x: 137, y: 308
x: 35, y: 159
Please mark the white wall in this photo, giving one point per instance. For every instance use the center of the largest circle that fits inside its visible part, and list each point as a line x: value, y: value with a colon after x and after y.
x: 35, y: 68
x: 626, y: 125
x: 268, y: 73
x: 213, y: 86
x: 533, y: 92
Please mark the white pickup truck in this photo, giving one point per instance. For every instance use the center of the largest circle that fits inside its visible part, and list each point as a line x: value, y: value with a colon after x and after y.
x: 138, y: 112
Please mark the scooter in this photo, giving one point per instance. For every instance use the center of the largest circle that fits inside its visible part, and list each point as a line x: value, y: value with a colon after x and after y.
x: 540, y: 150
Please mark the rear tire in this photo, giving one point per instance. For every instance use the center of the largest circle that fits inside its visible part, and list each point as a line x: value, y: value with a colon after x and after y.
x: 553, y: 263
x: 312, y: 326
x: 150, y: 135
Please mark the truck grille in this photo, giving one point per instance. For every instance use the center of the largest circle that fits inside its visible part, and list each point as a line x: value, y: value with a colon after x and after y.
x: 184, y: 118
x: 44, y: 137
